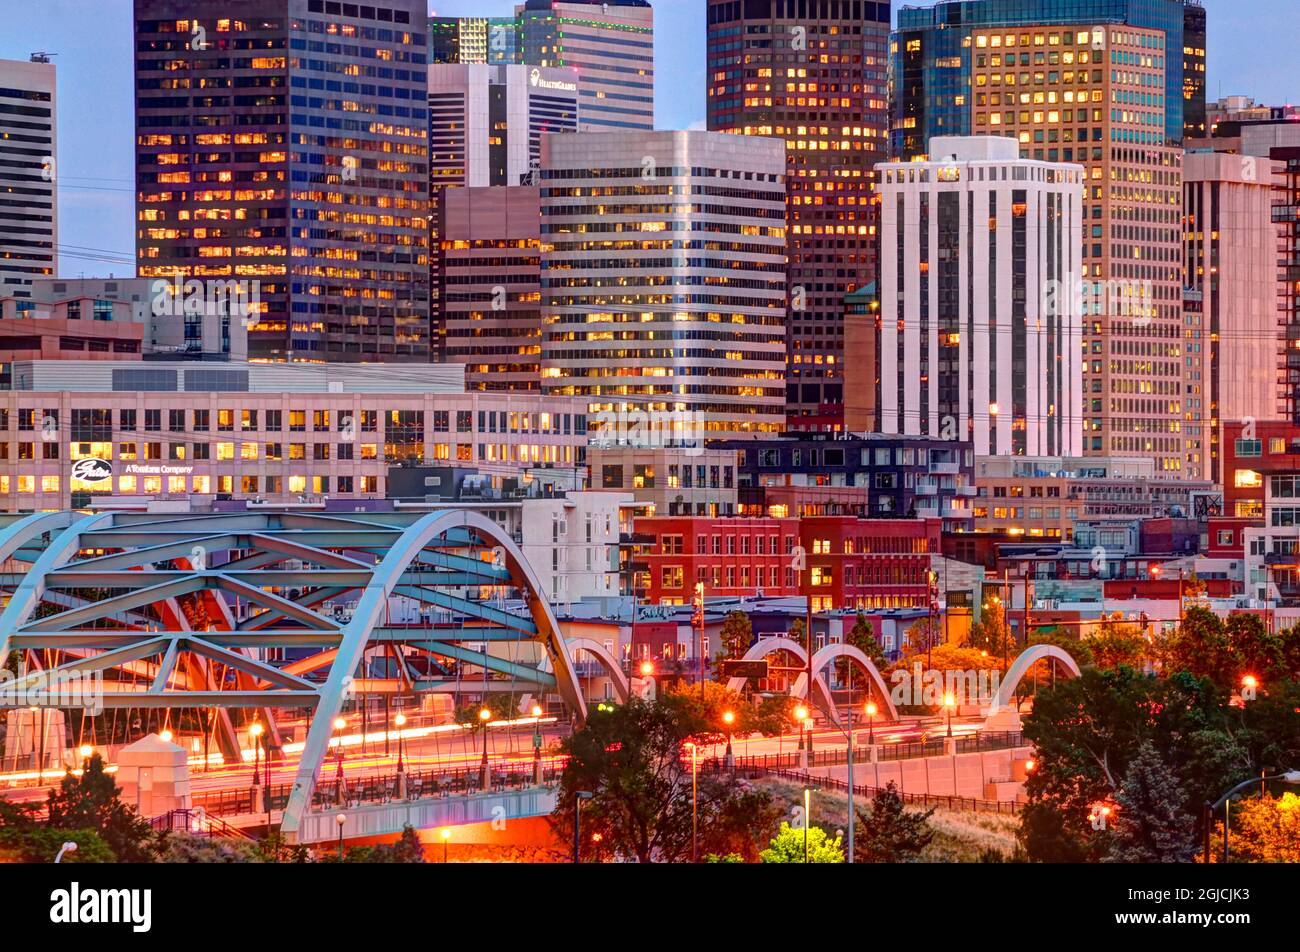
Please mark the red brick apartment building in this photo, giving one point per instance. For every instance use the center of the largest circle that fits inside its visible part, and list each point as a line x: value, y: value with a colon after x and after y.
x: 847, y: 562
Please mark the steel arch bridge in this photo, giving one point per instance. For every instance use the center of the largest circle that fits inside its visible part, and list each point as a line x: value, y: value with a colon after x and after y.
x: 156, y: 603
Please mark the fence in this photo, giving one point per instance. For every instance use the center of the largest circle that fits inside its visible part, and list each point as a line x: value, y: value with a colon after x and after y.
x: 968, y: 804
x: 906, y: 750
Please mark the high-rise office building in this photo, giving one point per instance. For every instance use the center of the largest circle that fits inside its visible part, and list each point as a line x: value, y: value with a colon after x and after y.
x: 932, y: 49
x: 284, y: 144
x: 488, y: 272
x: 28, y: 169
x: 1096, y: 97
x: 1229, y: 301
x: 486, y: 124
x: 1195, y: 37
x: 608, y: 47
x: 473, y: 40
x: 814, y: 74
x: 611, y: 45
x: 980, y: 331
x: 663, y: 280
x: 1276, y: 138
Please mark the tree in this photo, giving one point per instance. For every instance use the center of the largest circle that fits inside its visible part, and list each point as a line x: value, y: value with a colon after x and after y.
x: 736, y: 636
x: 630, y: 758
x: 1201, y: 648
x: 1117, y: 644
x: 1264, y: 830
x: 769, y: 717
x: 1150, y: 825
x: 408, y: 849
x: 186, y: 848
x: 788, y: 846
x: 91, y: 802
x: 887, y: 833
x: 27, y: 841
x: 1086, y: 732
x: 863, y: 637
x: 991, y: 633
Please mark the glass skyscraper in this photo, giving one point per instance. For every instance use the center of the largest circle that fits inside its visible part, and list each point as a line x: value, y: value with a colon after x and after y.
x: 930, y: 72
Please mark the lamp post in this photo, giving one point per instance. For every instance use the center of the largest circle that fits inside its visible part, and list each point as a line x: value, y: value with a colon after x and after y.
x: 446, y: 836
x: 729, y: 718
x: 255, y: 732
x: 807, y: 818
x: 871, y: 722
x: 341, y: 819
x: 537, y: 744
x: 485, y: 772
x: 949, y: 703
x: 400, y: 721
x: 1291, y: 777
x: 68, y: 847
x: 578, y: 797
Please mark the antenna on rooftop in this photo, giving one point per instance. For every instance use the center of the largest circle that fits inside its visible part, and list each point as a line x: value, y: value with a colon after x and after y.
x: 42, y: 57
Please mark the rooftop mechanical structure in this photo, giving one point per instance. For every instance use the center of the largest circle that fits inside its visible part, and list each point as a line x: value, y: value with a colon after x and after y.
x: 203, y: 610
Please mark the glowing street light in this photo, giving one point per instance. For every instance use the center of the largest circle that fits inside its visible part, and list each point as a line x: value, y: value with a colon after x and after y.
x: 485, y: 780
x: 255, y: 732
x: 341, y: 819
x: 446, y: 836
x: 729, y: 718
x: 647, y: 669
x: 871, y: 711
x: 950, y: 704
x: 165, y: 735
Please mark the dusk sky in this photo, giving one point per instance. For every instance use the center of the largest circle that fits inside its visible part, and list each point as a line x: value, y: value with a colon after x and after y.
x: 1251, y: 52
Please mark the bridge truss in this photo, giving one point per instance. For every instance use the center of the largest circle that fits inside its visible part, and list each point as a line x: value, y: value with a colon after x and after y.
x: 272, y: 610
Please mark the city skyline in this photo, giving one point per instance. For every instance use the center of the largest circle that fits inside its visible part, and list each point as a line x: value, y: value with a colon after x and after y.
x: 96, y: 163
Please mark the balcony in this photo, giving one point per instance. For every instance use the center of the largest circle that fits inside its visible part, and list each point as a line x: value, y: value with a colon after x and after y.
x: 968, y: 491
x: 926, y: 489
x: 944, y: 469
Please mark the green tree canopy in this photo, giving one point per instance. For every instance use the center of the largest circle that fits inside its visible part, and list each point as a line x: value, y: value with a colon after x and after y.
x: 788, y: 846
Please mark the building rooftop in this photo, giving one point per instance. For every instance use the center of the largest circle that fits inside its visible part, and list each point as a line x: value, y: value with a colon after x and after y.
x: 109, y: 376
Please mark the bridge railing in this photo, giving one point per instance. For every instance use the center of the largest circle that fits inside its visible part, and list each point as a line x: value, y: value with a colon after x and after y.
x: 831, y: 756
x: 966, y: 804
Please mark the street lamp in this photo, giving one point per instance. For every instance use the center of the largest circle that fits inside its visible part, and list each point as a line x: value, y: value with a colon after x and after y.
x: 537, y: 744
x: 485, y: 715
x: 165, y: 736
x: 949, y: 703
x: 341, y: 819
x: 68, y: 847
x: 872, y: 710
x: 446, y: 835
x: 400, y: 721
x: 729, y: 718
x: 86, y: 752
x: 807, y: 817
x: 1291, y: 777
x: 578, y: 797
x: 255, y: 732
